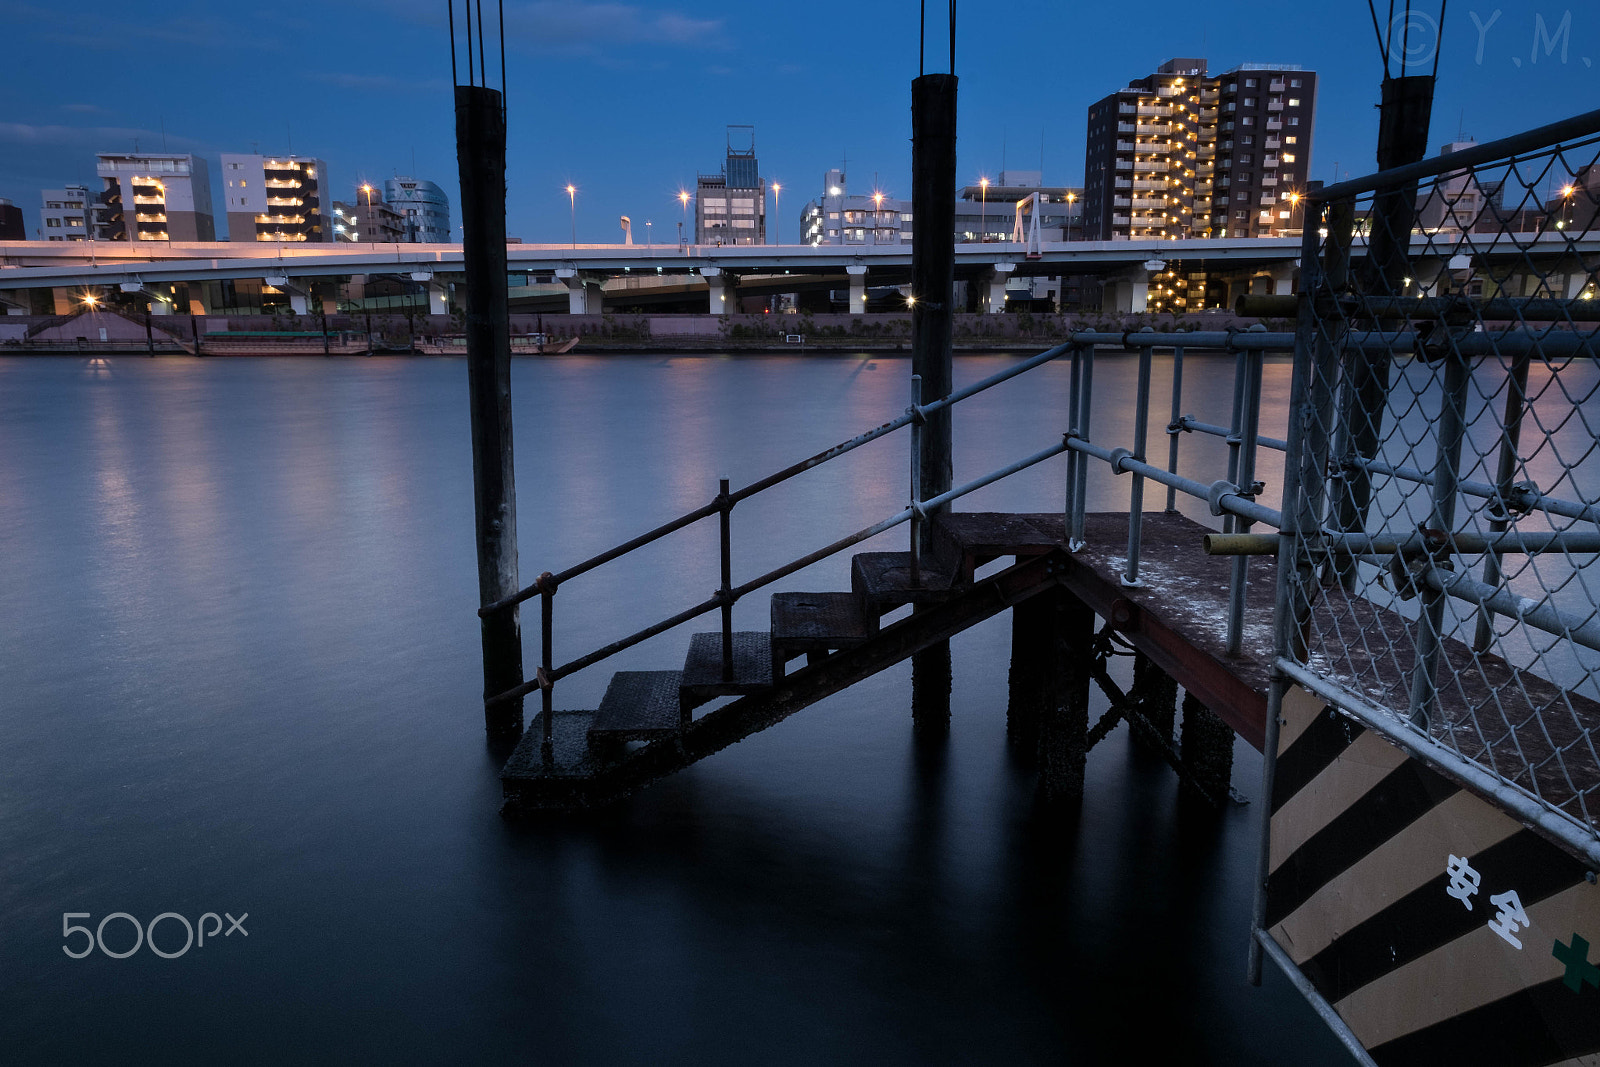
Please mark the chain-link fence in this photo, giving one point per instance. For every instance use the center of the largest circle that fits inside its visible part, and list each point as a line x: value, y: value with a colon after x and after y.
x: 1445, y: 495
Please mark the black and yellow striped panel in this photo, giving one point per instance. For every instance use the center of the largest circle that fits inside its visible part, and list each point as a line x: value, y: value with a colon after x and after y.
x: 1359, y: 896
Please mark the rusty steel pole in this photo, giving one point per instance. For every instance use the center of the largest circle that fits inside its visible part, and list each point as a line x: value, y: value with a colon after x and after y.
x: 481, y: 155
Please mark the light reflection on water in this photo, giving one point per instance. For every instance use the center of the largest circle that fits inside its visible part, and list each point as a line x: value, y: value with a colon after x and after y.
x: 242, y: 675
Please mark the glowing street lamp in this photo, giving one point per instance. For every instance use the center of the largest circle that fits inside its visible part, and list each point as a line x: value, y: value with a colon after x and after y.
x: 983, y: 209
x: 683, y: 199
x: 877, y: 215
x: 776, y: 189
x: 572, y: 199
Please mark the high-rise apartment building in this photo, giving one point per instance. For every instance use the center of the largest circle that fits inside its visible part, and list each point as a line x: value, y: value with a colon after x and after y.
x: 154, y: 196
x: 12, y: 226
x: 367, y: 221
x: 730, y: 208
x: 65, y: 214
x: 423, y: 208
x: 276, y: 198
x: 1182, y: 153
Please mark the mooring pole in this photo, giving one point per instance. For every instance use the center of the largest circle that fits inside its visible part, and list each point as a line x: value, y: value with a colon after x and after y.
x: 933, y: 262
x: 1402, y: 138
x: 481, y: 155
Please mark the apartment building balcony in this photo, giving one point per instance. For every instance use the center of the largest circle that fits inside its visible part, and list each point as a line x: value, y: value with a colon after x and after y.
x: 280, y: 220
x: 1126, y: 146
x: 1149, y: 205
x: 1154, y: 131
x: 285, y: 201
x: 1155, y: 109
x: 282, y: 183
x: 1124, y: 164
x: 143, y: 217
x: 1125, y: 127
x: 1269, y: 199
x: 1208, y: 114
x: 1274, y: 124
x: 1150, y: 183
x: 1208, y: 96
x: 1126, y: 109
x: 1269, y: 161
x: 152, y: 235
x: 1273, y: 142
x: 1121, y: 201
x: 1207, y: 151
x: 1120, y: 220
x: 1277, y: 85
x: 1205, y: 135
x: 1274, y: 105
x: 1149, y: 165
x: 1123, y: 183
x: 160, y: 201
x: 1231, y: 106
x: 1269, y: 180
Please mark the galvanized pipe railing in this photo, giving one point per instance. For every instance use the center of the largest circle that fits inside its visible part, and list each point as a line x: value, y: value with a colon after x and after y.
x: 1173, y: 425
x: 1141, y: 429
x: 1520, y: 498
x: 1189, y: 424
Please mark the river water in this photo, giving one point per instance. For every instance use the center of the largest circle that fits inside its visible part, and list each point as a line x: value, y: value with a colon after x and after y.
x: 240, y: 675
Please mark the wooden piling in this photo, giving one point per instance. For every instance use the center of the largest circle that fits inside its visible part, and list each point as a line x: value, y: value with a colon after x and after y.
x: 1063, y: 748
x: 481, y: 156
x: 1205, y: 750
x: 1155, y: 697
x: 1033, y: 684
x: 933, y: 257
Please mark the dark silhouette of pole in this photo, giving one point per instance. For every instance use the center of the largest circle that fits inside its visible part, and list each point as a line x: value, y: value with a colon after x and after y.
x: 933, y: 257
x: 481, y: 155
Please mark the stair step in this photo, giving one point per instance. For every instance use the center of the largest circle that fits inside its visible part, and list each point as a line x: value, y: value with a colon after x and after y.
x: 639, y: 705
x: 702, y: 668
x: 819, y: 622
x: 977, y: 537
x: 883, y: 581
x: 571, y: 756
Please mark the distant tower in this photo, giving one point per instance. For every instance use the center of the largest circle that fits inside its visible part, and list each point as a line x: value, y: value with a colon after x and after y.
x: 731, y: 207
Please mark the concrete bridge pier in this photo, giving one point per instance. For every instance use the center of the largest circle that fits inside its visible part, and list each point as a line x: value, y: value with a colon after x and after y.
x: 1282, y: 278
x: 1127, y: 293
x: 858, y: 288
x: 720, y: 299
x: 159, y: 302
x: 298, y: 297
x: 583, y: 291
x: 438, y: 292
x: 1431, y: 276
x: 997, y: 277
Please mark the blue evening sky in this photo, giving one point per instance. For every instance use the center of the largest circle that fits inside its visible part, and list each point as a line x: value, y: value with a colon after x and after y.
x: 628, y: 100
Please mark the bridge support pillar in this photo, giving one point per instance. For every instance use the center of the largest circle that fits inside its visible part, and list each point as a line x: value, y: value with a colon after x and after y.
x: 160, y: 303
x: 1283, y: 278
x: 15, y: 302
x: 1431, y: 276
x: 438, y: 292
x: 999, y: 274
x: 718, y: 290
x: 1206, y: 749
x: 1127, y: 293
x: 1063, y: 744
x: 1576, y: 282
x: 858, y: 288
x: 583, y: 292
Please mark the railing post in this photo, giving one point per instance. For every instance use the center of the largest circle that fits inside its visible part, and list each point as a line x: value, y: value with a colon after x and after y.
x: 547, y: 596
x: 1085, y: 411
x: 1510, y: 439
x: 1141, y: 430
x: 1074, y: 388
x: 727, y: 582
x: 1249, y: 426
x: 1446, y: 473
x: 1173, y: 429
x: 916, y: 479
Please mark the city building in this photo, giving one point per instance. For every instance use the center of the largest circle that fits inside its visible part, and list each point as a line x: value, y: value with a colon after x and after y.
x: 276, y: 198
x: 838, y: 217
x: 12, y: 225
x: 65, y: 214
x: 423, y: 208
x: 987, y: 211
x: 154, y: 196
x: 368, y: 221
x: 1182, y: 153
x: 730, y: 207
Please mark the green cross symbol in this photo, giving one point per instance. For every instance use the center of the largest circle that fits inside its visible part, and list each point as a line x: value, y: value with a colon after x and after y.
x: 1579, y: 969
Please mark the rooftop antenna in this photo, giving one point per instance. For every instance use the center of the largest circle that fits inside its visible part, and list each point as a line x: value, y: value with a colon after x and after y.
x: 163, y: 120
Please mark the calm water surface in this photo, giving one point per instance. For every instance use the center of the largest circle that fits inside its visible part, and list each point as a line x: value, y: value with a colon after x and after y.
x: 240, y: 674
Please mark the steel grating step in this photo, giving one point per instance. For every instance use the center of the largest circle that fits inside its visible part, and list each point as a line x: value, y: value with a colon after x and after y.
x: 639, y: 705
x: 816, y: 624
x: 571, y: 757
x: 752, y: 665
x: 882, y: 580
x: 976, y: 537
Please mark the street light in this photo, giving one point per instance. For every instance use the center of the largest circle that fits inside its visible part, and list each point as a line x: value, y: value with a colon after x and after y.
x: 776, y: 189
x: 877, y: 214
x: 983, y: 209
x: 647, y: 233
x: 572, y: 198
x: 366, y: 188
x: 683, y: 199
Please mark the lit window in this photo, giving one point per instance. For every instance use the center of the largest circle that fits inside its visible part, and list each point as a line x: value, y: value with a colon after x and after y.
x: 1294, y: 101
